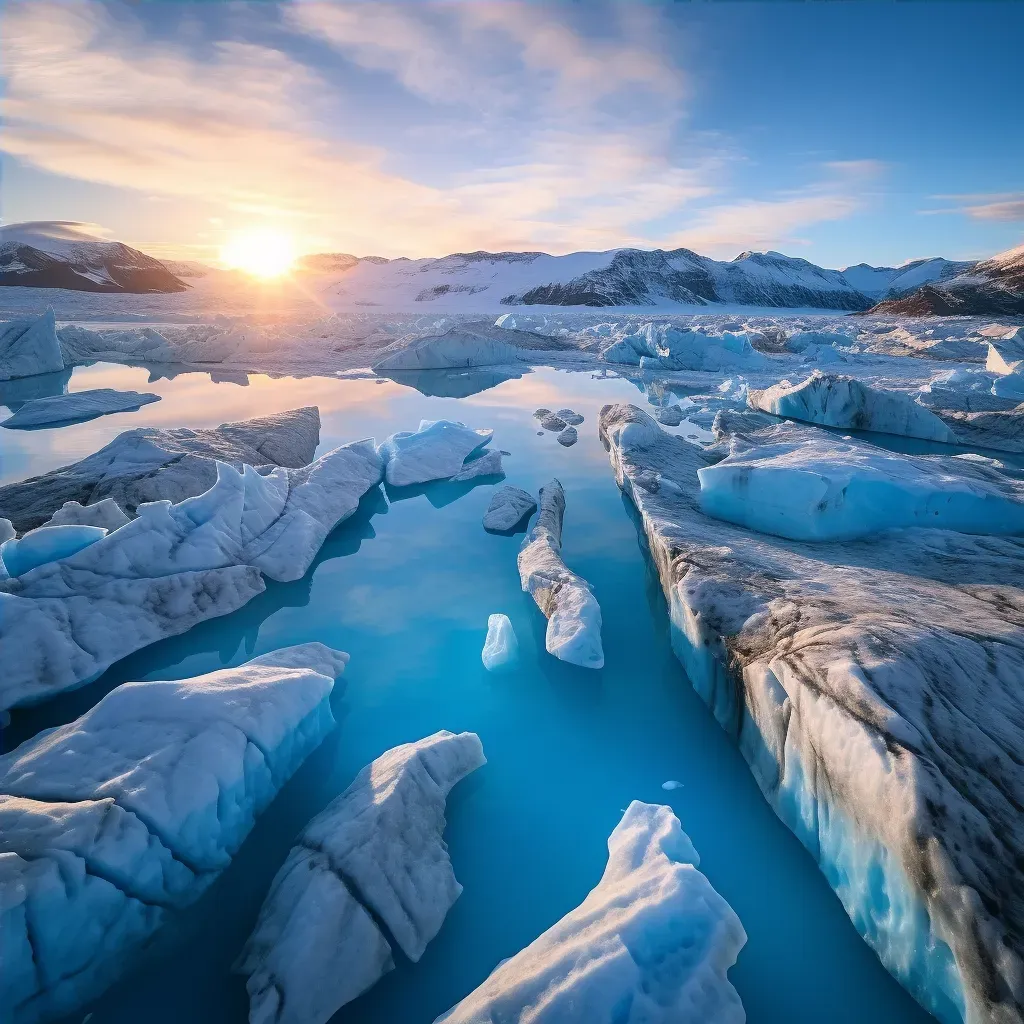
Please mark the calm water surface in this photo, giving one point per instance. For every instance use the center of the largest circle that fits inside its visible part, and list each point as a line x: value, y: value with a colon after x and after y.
x: 406, y: 587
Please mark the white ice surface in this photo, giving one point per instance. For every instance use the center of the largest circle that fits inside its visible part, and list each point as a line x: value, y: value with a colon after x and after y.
x: 28, y: 347
x: 565, y: 598
x: 374, y: 854
x: 663, y: 346
x: 79, y: 405
x: 835, y: 401
x: 436, y: 451
x: 133, y: 809
x: 488, y: 464
x: 508, y: 507
x: 106, y: 513
x: 500, y: 645
x: 45, y: 544
x: 651, y: 944
x: 456, y: 348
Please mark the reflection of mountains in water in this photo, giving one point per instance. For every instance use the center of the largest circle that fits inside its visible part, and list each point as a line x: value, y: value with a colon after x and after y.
x: 455, y: 382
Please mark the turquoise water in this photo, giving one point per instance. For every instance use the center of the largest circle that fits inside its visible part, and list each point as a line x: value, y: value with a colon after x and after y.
x: 406, y: 589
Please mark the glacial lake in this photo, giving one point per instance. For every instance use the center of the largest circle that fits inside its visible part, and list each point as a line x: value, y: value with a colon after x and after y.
x: 405, y: 587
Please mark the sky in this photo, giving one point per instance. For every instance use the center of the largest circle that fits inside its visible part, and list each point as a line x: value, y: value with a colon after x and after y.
x: 839, y: 132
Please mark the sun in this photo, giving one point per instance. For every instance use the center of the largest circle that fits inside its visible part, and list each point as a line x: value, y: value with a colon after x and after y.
x: 262, y: 253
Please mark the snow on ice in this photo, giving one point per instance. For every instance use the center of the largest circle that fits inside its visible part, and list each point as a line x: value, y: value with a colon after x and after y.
x: 651, y: 944
x: 500, y: 646
x: 375, y: 855
x: 128, y: 813
x: 106, y: 513
x: 436, y: 451
x: 873, y: 688
x: 572, y: 611
x: 76, y: 407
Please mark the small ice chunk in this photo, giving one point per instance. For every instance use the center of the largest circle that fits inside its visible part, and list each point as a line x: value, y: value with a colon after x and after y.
x: 539, y: 414
x: 46, y: 544
x: 671, y: 415
x: 501, y: 646
x: 106, y: 513
x: 574, y: 419
x: 568, y: 437
x: 552, y: 422
x: 435, y: 451
x: 508, y: 508
x: 671, y: 784
x: 488, y: 464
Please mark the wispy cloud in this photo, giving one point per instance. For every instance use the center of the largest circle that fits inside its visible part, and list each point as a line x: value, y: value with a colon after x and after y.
x: 1007, y: 207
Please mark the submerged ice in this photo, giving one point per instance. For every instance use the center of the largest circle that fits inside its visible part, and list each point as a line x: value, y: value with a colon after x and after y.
x: 373, y: 859
x: 500, y: 644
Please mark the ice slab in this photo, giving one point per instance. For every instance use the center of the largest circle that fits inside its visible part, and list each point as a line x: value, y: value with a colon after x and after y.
x: 500, y: 646
x: 651, y: 944
x: 806, y: 484
x: 28, y: 347
x: 873, y: 688
x: 105, y: 513
x: 375, y: 856
x: 45, y: 544
x: 111, y: 822
x: 565, y: 598
x: 436, y: 451
x: 148, y: 464
x: 488, y: 464
x: 76, y: 407
x: 836, y: 401
x: 173, y: 566
x: 508, y: 508
x: 662, y: 346
x: 455, y: 348
x: 568, y: 437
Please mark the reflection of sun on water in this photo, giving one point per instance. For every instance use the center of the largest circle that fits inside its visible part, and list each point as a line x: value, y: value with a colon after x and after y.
x: 260, y: 253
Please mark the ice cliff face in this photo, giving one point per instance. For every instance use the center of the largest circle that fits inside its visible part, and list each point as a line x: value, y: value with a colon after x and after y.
x: 28, y: 347
x: 111, y: 822
x: 370, y: 869
x: 651, y: 944
x: 149, y: 464
x: 873, y: 688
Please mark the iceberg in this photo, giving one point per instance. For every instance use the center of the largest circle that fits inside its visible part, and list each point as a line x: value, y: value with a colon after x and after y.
x: 500, y: 646
x: 147, y: 464
x: 651, y: 944
x: 663, y: 347
x: 835, y: 401
x: 671, y: 415
x: 28, y: 347
x: 63, y: 623
x: 114, y: 821
x: 77, y: 407
x: 105, y: 513
x: 873, y: 689
x: 805, y: 484
x: 370, y: 869
x: 436, y: 451
x: 508, y: 507
x: 193, y: 344
x: 456, y: 347
x: 45, y: 544
x: 572, y: 611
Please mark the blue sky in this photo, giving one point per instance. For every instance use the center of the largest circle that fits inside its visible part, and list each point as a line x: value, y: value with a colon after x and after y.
x: 839, y: 132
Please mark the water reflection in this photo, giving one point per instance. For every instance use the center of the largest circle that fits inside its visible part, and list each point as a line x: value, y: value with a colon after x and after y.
x: 452, y: 383
x: 15, y: 393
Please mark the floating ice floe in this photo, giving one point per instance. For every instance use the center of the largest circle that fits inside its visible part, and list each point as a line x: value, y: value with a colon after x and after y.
x: 147, y: 464
x: 873, y: 688
x: 572, y: 611
x: 488, y: 464
x: 111, y: 822
x: 573, y: 419
x: 500, y: 645
x: 374, y: 856
x: 835, y: 401
x: 661, y: 346
x: 106, y: 513
x: 28, y: 347
x: 63, y: 623
x: 651, y: 943
x: 568, y: 437
x: 671, y: 415
x: 455, y: 348
x: 45, y: 544
x: 436, y: 451
x: 806, y: 484
x: 76, y: 407
x: 549, y: 420
x: 508, y: 507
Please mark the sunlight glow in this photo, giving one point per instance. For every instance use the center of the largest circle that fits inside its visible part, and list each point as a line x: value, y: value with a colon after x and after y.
x: 262, y: 253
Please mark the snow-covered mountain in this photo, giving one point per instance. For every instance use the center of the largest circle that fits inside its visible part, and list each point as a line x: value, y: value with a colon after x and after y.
x: 62, y: 254
x: 891, y: 282
x: 619, y: 277
x: 993, y: 287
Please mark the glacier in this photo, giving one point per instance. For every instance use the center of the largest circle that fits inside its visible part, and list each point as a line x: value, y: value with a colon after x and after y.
x: 805, y: 484
x: 435, y: 451
x: 77, y: 407
x: 149, y: 464
x: 835, y: 401
x: 651, y: 944
x: 508, y: 507
x: 456, y: 348
x: 45, y: 544
x: 574, y: 616
x: 28, y: 347
x: 500, y: 645
x: 369, y: 870
x: 873, y: 689
x: 114, y: 821
x: 63, y: 623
